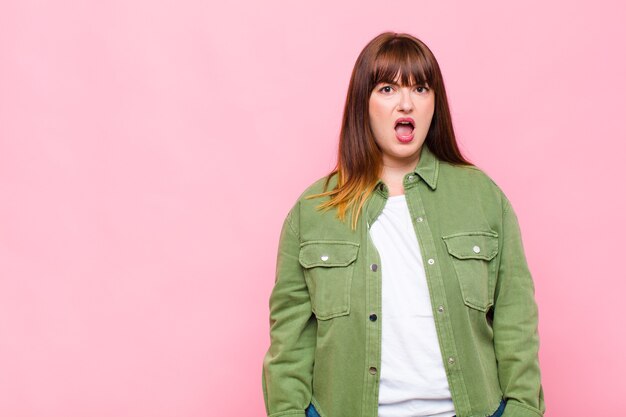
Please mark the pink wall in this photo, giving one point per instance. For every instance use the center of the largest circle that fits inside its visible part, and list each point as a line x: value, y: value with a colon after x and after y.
x: 146, y: 147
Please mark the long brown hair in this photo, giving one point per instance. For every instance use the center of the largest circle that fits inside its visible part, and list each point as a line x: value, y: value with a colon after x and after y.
x: 359, y: 159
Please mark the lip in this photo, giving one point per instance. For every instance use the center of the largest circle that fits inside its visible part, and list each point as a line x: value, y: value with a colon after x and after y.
x: 405, y: 119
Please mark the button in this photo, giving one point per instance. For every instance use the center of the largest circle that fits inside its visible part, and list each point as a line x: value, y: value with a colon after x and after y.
x: 373, y: 267
x: 324, y: 258
x: 431, y: 261
x: 373, y: 317
x: 411, y: 177
x: 440, y: 309
x: 420, y: 219
x: 451, y: 360
x: 476, y: 249
x: 373, y: 370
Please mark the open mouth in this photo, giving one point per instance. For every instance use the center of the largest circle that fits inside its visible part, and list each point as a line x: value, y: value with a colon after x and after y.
x: 404, y: 128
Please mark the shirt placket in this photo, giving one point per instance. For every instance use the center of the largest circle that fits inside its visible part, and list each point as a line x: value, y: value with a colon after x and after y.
x: 373, y: 294
x: 373, y: 300
x: 414, y: 188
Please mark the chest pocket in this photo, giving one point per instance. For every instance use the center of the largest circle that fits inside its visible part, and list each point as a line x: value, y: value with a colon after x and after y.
x: 328, y: 269
x: 472, y: 254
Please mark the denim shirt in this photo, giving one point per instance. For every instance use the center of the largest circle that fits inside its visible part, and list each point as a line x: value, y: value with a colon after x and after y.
x: 325, y: 344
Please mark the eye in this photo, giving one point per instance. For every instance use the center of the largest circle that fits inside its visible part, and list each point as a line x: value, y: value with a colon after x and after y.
x: 423, y: 89
x: 382, y: 89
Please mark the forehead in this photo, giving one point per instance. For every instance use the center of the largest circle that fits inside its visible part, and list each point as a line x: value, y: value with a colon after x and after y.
x: 401, y: 73
x: 399, y: 80
x: 402, y: 79
x: 402, y: 62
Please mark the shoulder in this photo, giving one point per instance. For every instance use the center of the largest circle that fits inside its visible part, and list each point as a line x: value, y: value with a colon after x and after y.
x: 463, y: 178
x: 470, y: 172
x: 304, y: 202
x: 319, y: 186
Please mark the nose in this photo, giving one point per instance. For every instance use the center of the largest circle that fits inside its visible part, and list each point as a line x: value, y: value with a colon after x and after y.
x: 405, y: 104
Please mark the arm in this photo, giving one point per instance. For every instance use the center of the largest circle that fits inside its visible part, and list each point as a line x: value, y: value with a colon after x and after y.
x: 515, y: 323
x: 288, y: 363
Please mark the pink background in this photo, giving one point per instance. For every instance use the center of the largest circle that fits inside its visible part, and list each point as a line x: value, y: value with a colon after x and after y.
x: 149, y: 152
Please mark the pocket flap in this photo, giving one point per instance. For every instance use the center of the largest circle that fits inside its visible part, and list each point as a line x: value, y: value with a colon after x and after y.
x: 472, y: 245
x: 327, y: 253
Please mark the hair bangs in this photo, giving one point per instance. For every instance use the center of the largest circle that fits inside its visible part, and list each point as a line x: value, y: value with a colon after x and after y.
x: 402, y: 63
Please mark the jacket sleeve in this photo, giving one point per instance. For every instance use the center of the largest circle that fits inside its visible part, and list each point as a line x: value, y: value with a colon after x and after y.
x: 288, y: 363
x: 515, y: 325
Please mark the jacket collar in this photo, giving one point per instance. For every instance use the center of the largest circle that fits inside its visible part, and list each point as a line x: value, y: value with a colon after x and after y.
x: 427, y: 168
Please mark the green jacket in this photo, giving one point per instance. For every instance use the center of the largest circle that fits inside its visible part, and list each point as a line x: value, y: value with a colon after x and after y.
x: 325, y: 349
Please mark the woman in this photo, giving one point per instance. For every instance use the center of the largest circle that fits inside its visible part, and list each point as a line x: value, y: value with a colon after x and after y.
x: 422, y: 304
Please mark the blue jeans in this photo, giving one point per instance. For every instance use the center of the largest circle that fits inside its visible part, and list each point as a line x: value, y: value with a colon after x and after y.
x: 499, y: 411
x: 312, y: 412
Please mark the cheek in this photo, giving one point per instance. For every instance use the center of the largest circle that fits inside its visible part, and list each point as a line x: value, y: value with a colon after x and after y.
x: 430, y: 111
x: 375, y: 114
x: 431, y: 106
x: 426, y: 110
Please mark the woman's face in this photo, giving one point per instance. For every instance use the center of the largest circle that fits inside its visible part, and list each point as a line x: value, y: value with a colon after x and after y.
x: 388, y: 104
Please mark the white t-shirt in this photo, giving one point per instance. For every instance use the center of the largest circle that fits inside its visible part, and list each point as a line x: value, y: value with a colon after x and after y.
x: 412, y: 376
